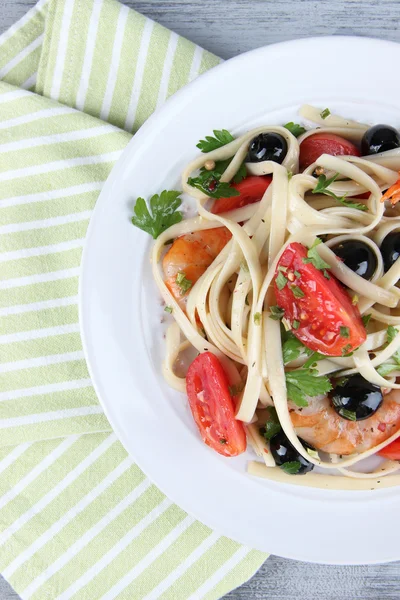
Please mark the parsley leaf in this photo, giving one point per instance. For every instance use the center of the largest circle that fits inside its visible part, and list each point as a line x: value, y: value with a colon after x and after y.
x: 234, y: 390
x: 346, y: 350
x: 294, y: 128
x: 276, y: 313
x: 168, y: 309
x: 221, y: 138
x: 366, y: 319
x: 314, y: 258
x: 164, y: 212
x: 313, y: 359
x: 281, y: 280
x: 257, y: 318
x: 295, y: 324
x: 209, y: 183
x: 183, y: 283
x: 292, y: 467
x: 387, y: 368
x: 321, y: 188
x: 297, y: 292
x: 222, y: 165
x: 344, y: 332
x: 325, y: 113
x: 391, y: 334
x: 291, y: 348
x: 305, y: 382
x: 272, y: 425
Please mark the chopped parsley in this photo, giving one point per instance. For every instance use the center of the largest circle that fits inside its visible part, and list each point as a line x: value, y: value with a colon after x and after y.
x: 366, y: 319
x: 314, y: 258
x: 294, y: 128
x: 326, y: 274
x: 234, y: 390
x: 168, y: 309
x: 183, y: 283
x: 297, y: 292
x: 223, y: 441
x: 221, y: 138
x: 276, y: 313
x: 350, y: 415
x: 209, y: 183
x: 297, y: 274
x: 257, y: 318
x: 163, y: 214
x: 313, y: 359
x: 322, y: 188
x: 346, y: 350
x: 289, y: 175
x: 272, y: 425
x: 325, y: 113
x: 344, y: 332
x: 305, y: 382
x: 295, y: 324
x: 386, y: 368
x: 281, y: 281
x: 292, y: 467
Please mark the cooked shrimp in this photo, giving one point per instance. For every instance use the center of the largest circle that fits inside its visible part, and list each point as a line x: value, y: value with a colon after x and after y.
x: 188, y: 258
x: 321, y: 426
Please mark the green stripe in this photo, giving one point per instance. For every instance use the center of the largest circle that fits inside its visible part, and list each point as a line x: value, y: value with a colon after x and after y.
x: 36, y: 238
x: 62, y: 315
x: 34, y: 265
x: 32, y: 405
x: 181, y: 66
x: 54, y: 344
x: 37, y: 376
x: 48, y: 290
x: 24, y: 69
x: 208, y: 61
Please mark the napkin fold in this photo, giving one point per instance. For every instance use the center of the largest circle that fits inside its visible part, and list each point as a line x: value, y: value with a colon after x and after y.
x: 78, y: 519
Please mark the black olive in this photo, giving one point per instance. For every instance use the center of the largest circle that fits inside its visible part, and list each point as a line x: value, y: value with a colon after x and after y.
x: 380, y: 138
x: 355, y: 398
x: 267, y: 146
x: 390, y: 249
x: 284, y: 452
x: 358, y: 256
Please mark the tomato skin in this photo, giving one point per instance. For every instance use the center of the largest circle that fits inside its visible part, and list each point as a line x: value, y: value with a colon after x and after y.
x: 251, y: 190
x: 324, y: 308
x: 324, y: 143
x: 212, y: 406
x: 392, y: 451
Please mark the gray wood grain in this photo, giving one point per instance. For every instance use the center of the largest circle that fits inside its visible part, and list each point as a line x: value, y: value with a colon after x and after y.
x: 227, y: 29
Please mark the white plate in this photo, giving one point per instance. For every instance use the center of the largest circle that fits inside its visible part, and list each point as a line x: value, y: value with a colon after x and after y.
x: 121, y: 313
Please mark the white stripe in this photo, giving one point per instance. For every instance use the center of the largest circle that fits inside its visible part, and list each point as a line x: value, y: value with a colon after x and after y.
x: 109, y: 556
x: 35, y: 334
x: 58, y: 138
x: 55, y: 415
x: 196, y: 63
x: 89, y: 52
x: 46, y: 113
x: 61, y: 52
x: 45, y: 223
x: 154, y: 553
x: 40, y: 278
x: 86, y: 538
x: 37, y: 470
x: 41, y: 361
x: 74, y: 190
x: 115, y: 60
x: 137, y: 82
x: 35, y: 306
x: 219, y: 575
x: 60, y: 165
x: 56, y: 491
x: 169, y: 60
x: 13, y: 95
x: 67, y: 517
x: 42, y: 250
x: 166, y: 583
x: 25, y: 19
x: 49, y: 388
x: 30, y: 82
x: 21, y: 55
x: 13, y: 456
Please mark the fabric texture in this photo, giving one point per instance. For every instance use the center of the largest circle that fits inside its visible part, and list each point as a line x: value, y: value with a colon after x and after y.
x: 78, y: 519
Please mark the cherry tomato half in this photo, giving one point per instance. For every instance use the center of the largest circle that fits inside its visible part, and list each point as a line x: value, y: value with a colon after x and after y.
x: 212, y: 406
x: 319, y: 309
x: 324, y: 143
x: 251, y: 190
x: 392, y: 452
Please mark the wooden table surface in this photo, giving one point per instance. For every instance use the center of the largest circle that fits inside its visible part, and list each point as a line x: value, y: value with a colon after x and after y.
x: 227, y: 28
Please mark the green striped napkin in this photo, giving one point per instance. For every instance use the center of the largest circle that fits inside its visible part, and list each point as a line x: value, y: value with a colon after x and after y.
x: 78, y: 517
